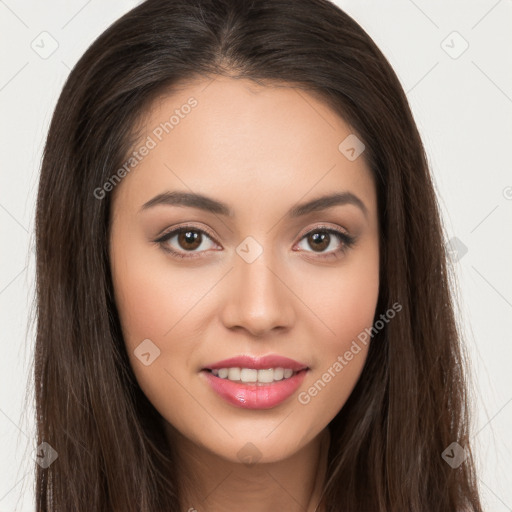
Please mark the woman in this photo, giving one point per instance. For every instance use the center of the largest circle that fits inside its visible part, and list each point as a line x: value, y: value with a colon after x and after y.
x: 243, y: 298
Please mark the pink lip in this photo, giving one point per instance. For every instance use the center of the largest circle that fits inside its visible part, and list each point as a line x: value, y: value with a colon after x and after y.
x: 254, y: 396
x: 258, y: 363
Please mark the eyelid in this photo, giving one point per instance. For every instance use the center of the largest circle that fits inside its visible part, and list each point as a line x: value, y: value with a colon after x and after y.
x: 346, y: 239
x: 184, y: 226
x: 213, y: 236
x: 321, y: 226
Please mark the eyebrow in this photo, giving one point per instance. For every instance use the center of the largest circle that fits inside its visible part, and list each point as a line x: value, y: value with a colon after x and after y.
x: 208, y: 204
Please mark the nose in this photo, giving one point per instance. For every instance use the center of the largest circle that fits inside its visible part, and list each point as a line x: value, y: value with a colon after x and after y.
x: 259, y: 299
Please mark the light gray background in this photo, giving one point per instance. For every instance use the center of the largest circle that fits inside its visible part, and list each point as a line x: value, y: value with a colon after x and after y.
x: 462, y: 102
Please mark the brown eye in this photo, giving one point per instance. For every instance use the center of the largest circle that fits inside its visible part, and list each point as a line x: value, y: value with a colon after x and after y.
x: 319, y: 240
x: 189, y: 240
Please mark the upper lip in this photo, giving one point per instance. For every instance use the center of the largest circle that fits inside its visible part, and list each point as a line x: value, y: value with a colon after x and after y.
x: 258, y: 363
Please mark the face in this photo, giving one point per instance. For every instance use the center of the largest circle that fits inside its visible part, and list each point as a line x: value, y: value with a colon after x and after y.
x: 254, y: 274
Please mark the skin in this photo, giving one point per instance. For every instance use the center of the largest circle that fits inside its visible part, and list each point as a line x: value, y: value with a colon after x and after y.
x: 261, y: 150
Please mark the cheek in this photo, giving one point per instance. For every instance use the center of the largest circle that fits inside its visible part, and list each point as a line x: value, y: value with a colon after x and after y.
x: 151, y: 297
x: 149, y: 302
x: 169, y: 306
x: 347, y: 298
x: 153, y: 303
x: 352, y: 307
x: 146, y: 301
x: 165, y: 308
x: 346, y: 304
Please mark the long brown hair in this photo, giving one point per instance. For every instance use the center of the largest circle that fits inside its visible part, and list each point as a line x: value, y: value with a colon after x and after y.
x: 410, y: 402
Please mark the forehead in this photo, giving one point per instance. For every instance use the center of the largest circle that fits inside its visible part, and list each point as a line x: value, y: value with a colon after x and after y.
x: 245, y: 143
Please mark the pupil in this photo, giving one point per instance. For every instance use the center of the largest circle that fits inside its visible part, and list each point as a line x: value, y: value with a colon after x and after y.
x: 190, y: 238
x: 320, y: 240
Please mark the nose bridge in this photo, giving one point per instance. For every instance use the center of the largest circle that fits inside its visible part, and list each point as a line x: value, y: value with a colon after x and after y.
x: 259, y: 301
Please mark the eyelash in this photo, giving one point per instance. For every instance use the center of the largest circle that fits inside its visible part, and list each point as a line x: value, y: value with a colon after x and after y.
x: 347, y: 241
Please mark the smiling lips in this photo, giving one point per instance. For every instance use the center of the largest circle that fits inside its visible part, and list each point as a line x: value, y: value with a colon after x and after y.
x: 255, y: 383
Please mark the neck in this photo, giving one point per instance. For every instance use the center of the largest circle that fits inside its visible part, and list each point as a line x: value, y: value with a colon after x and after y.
x: 214, y: 484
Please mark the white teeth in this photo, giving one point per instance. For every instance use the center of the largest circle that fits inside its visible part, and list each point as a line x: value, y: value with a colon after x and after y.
x: 250, y: 375
x: 266, y: 375
x: 234, y: 374
x: 278, y: 373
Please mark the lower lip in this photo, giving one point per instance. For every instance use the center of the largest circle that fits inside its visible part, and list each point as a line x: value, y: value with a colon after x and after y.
x: 254, y: 396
